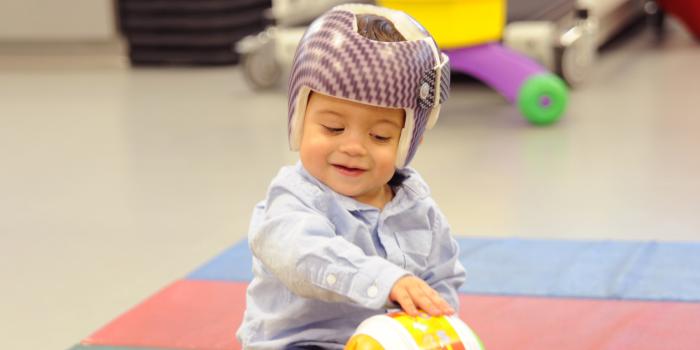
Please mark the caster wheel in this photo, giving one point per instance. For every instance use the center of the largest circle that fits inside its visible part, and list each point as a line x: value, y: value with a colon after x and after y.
x: 261, y: 71
x: 542, y: 99
x: 574, y: 62
x: 260, y: 66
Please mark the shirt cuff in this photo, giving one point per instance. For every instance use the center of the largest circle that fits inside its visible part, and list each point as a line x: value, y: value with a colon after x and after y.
x: 372, y: 288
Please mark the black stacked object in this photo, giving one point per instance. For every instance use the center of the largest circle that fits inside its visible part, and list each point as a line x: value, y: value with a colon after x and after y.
x: 189, y: 32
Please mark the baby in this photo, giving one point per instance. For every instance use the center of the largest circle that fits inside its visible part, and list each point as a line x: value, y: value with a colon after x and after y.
x: 351, y: 231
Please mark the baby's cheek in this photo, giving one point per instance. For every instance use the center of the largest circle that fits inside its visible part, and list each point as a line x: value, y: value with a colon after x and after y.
x: 314, y: 147
x: 385, y: 162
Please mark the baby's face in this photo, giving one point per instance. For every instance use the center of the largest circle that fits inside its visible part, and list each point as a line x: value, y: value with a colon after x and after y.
x: 351, y: 147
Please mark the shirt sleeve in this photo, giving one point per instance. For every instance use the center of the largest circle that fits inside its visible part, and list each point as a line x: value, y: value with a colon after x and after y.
x: 299, y: 246
x: 445, y: 272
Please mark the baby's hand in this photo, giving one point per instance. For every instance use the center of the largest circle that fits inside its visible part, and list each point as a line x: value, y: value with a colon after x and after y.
x: 413, y: 293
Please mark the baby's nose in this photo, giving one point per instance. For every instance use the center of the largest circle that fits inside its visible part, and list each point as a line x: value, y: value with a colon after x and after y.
x: 353, y: 146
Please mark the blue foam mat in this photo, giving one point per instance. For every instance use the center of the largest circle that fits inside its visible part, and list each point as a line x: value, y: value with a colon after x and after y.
x: 552, y: 268
x: 234, y: 264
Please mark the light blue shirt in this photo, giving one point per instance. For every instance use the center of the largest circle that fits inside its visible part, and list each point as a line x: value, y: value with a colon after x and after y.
x: 324, y: 262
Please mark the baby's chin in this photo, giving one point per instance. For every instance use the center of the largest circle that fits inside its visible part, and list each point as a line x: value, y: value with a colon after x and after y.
x: 361, y: 195
x: 346, y: 191
x: 357, y: 188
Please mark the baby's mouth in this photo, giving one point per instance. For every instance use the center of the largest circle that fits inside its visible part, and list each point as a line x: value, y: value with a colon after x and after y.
x: 348, y: 171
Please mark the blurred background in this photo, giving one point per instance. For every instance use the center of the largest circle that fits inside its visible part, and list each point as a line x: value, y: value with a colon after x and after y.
x: 137, y: 135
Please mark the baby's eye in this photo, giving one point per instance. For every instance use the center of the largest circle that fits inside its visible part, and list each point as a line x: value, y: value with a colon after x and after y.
x: 381, y: 138
x: 334, y: 130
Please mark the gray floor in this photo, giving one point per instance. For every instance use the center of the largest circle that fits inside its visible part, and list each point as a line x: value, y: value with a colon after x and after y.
x: 115, y: 182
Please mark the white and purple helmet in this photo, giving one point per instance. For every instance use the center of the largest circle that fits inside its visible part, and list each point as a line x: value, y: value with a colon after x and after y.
x: 334, y: 59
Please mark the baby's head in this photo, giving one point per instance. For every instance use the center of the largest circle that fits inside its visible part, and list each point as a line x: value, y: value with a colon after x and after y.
x: 365, y: 84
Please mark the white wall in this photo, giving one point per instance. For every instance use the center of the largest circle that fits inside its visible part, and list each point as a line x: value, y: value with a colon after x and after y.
x: 57, y: 20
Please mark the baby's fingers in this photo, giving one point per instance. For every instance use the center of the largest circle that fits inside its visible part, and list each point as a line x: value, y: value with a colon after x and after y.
x: 423, y: 298
x: 444, y: 306
x: 406, y: 301
x: 435, y: 304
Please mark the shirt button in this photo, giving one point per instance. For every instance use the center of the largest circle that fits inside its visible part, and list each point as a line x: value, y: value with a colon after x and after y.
x: 372, y: 291
x: 330, y: 279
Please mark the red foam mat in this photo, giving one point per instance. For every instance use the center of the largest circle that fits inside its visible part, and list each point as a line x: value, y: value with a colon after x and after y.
x: 204, y: 315
x: 201, y: 315
x: 506, y: 323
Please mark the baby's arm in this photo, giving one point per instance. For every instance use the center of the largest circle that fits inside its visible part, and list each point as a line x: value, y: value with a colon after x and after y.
x: 444, y: 273
x: 300, y: 247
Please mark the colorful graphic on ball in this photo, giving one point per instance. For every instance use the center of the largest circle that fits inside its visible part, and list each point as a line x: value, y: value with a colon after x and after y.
x: 430, y: 332
x: 400, y: 331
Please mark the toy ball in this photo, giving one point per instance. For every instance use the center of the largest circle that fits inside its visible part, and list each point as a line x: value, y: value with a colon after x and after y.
x: 399, y: 331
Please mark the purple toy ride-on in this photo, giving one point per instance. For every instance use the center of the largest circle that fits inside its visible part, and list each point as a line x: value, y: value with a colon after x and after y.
x: 541, y: 96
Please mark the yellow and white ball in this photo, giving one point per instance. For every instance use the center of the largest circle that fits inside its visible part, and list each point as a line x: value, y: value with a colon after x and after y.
x: 399, y: 331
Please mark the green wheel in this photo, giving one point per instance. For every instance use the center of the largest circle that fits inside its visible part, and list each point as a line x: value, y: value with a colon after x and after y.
x: 542, y: 98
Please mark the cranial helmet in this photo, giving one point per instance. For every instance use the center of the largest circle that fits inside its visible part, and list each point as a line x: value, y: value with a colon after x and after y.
x: 334, y: 59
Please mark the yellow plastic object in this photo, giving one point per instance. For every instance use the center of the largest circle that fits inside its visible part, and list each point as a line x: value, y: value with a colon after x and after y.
x: 363, y: 342
x: 399, y: 331
x: 456, y: 23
